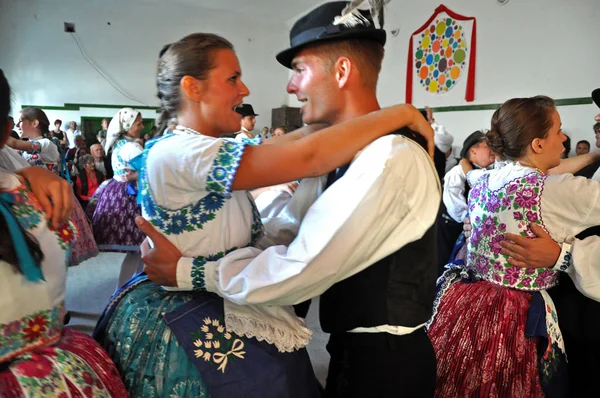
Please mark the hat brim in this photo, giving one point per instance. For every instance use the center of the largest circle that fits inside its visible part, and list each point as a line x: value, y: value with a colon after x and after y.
x: 285, y: 57
x: 596, y: 97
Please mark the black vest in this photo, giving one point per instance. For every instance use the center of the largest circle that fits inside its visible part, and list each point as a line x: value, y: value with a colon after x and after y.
x: 398, y: 290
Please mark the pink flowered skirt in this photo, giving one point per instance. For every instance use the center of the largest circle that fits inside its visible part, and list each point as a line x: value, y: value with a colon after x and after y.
x: 478, y: 334
x: 84, y: 247
x: 75, y: 367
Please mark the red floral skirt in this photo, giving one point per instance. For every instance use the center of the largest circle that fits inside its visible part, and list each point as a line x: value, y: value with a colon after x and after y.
x: 478, y: 334
x: 75, y: 367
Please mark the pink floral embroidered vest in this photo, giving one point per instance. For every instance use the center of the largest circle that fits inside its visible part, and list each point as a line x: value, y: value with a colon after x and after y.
x: 509, y: 209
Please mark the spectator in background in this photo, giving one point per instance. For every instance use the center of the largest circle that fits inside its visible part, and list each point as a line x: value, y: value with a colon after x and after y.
x: 455, y: 193
x: 72, y: 156
x: 439, y: 156
x: 88, y: 179
x: 443, y: 140
x: 58, y: 133
x: 101, y: 162
x: 279, y: 131
x: 73, y: 153
x: 593, y: 170
x: 265, y: 133
x: 39, y: 150
x: 582, y: 147
x: 11, y: 126
x: 101, y: 135
x: 248, y: 121
x: 171, y: 126
x: 567, y: 145
x: 71, y: 133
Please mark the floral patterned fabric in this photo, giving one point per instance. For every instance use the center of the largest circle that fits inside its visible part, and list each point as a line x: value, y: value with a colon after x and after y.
x: 113, y: 219
x: 45, y: 154
x: 147, y: 354
x: 76, y: 366
x: 518, y: 203
x: 34, y: 330
x: 483, y: 310
x: 38, y: 356
x: 84, y: 247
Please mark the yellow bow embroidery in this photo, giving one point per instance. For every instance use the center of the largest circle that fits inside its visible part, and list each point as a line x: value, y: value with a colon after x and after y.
x: 236, y: 350
x: 215, y: 338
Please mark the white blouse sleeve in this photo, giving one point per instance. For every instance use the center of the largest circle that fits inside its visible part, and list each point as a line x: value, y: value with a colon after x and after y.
x: 454, y: 193
x: 576, y: 213
x: 383, y: 202
x: 596, y: 176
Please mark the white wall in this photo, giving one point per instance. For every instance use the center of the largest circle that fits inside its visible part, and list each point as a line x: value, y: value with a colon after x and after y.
x: 44, y: 65
x: 524, y: 48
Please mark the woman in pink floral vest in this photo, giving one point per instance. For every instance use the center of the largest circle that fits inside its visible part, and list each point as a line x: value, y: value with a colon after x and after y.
x: 495, y: 328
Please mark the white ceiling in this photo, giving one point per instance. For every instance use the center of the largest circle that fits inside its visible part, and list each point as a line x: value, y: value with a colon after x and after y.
x: 276, y: 11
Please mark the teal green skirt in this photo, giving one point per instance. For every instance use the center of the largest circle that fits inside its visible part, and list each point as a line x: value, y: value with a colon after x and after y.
x: 148, y: 356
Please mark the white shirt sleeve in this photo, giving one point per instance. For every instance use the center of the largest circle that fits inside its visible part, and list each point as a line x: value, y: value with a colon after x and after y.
x: 596, y: 176
x: 388, y: 198
x: 282, y: 228
x: 585, y: 271
x: 574, y: 214
x: 454, y: 193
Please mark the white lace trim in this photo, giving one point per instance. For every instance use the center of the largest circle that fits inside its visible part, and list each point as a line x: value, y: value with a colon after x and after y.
x: 285, y: 338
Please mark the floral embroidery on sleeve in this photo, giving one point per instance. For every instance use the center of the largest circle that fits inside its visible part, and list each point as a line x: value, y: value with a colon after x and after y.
x: 222, y: 172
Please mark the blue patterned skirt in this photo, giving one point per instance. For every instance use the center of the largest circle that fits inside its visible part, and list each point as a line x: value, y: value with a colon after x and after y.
x: 149, y: 358
x: 175, y: 344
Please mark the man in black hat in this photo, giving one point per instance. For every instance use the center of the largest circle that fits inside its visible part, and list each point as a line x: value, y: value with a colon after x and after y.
x: 454, y: 207
x: 367, y: 239
x: 248, y: 121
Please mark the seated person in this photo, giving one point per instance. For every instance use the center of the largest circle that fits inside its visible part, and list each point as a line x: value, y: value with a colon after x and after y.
x: 88, y: 180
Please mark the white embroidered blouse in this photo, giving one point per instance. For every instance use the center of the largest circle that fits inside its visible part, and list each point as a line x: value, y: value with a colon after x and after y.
x: 388, y: 197
x: 31, y: 313
x: 185, y: 185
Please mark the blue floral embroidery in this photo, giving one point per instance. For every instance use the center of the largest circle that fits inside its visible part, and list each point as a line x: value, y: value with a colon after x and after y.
x: 175, y: 222
x: 252, y: 141
x: 198, y: 263
x: 117, y: 152
x: 221, y: 175
x: 566, y: 263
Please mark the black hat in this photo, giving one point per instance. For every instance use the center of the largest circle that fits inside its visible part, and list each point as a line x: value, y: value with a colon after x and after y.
x: 471, y: 140
x: 318, y: 26
x: 246, y: 110
x: 596, y: 97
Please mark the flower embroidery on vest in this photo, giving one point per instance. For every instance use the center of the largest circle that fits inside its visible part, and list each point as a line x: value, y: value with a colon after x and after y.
x: 517, y: 203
